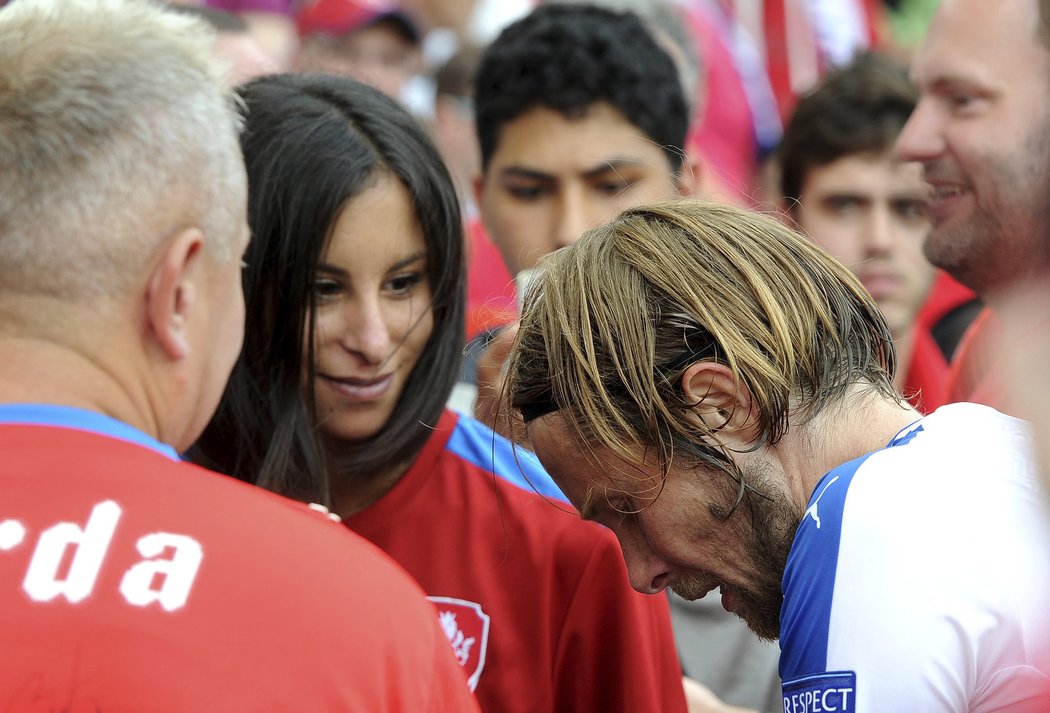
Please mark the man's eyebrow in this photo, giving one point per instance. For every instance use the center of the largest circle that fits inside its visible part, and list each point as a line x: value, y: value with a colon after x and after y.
x: 949, y: 82
x: 909, y: 195
x: 600, y: 169
x: 516, y: 171
x: 613, y: 165
x: 845, y: 193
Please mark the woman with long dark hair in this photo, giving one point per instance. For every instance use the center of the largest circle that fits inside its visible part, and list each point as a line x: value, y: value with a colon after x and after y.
x: 354, y: 288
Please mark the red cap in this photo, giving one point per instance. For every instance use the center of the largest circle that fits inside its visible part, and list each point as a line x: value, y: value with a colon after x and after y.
x: 341, y: 17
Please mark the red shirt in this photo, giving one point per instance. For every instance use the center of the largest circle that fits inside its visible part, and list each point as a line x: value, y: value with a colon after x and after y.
x: 491, y: 295
x: 130, y: 581
x: 535, y: 600
x: 926, y: 380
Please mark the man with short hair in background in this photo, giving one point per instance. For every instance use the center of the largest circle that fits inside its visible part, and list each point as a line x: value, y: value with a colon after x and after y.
x: 842, y: 186
x: 580, y: 113
x: 982, y: 132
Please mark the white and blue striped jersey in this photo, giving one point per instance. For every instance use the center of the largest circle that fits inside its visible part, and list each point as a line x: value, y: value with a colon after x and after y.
x: 919, y: 579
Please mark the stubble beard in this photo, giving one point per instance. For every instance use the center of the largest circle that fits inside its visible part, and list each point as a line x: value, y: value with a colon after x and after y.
x: 1008, y: 232
x: 767, y: 527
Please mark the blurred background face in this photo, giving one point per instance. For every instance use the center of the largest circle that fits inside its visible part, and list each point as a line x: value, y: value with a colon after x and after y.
x: 378, y: 54
x: 869, y: 211
x: 551, y: 178
x: 245, y: 57
x: 373, y: 316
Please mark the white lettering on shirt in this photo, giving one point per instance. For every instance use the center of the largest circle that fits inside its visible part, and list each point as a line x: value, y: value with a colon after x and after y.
x: 90, y: 544
x: 178, y: 572
x: 68, y: 559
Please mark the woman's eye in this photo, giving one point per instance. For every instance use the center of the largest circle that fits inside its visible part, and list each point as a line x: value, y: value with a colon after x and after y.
x: 324, y: 289
x: 404, y: 283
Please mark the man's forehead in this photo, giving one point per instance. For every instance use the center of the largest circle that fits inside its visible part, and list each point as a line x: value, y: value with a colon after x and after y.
x: 542, y: 136
x: 968, y: 39
x: 597, y: 473
x: 860, y: 172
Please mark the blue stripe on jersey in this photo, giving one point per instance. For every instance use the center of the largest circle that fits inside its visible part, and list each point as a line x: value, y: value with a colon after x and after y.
x: 477, y: 444
x: 809, y: 578
x: 906, y: 434
x: 81, y: 420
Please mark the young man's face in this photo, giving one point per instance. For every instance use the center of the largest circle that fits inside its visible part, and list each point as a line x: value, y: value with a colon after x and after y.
x: 551, y: 178
x: 869, y: 212
x: 982, y: 131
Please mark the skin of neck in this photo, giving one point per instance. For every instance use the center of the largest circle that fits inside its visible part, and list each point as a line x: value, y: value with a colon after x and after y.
x: 59, y: 365
x: 352, y: 492
x: 861, y: 422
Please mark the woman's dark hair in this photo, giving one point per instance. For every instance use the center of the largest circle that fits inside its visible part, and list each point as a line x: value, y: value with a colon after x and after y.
x: 311, y: 144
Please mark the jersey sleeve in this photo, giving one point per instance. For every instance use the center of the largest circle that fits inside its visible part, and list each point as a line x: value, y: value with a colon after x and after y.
x: 616, y: 651
x: 916, y: 612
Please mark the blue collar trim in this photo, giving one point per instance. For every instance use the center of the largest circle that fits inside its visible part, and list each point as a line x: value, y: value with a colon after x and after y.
x: 81, y: 420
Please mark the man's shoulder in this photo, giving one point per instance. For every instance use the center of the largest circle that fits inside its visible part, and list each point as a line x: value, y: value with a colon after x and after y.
x: 63, y: 475
x: 491, y: 454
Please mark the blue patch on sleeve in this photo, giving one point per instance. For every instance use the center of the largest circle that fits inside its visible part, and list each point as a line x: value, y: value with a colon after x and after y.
x: 832, y: 692
x: 475, y: 443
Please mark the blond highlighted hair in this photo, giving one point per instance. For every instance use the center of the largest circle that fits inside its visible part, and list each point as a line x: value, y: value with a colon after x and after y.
x: 612, y: 322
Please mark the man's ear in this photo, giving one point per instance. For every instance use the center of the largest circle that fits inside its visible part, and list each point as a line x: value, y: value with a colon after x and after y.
x: 171, y: 293
x: 720, y: 401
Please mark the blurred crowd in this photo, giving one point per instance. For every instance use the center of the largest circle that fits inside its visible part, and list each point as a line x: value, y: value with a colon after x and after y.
x: 386, y: 312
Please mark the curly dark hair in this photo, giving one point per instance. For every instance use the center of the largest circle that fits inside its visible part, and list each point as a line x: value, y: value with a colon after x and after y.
x: 570, y: 57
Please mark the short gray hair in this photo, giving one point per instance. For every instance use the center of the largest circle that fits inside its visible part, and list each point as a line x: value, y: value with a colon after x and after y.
x: 115, y: 131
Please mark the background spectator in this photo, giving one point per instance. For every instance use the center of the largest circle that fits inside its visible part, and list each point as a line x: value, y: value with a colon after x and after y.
x: 842, y: 186
x: 980, y: 132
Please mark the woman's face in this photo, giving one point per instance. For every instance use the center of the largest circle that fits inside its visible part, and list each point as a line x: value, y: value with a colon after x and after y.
x: 373, y: 315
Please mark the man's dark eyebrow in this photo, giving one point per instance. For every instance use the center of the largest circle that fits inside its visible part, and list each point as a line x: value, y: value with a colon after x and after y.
x: 609, y: 165
x: 524, y: 172
x: 955, y: 82
x: 613, y: 165
x: 839, y: 195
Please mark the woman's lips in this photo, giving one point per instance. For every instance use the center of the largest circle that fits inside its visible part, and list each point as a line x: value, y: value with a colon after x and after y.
x: 359, y: 389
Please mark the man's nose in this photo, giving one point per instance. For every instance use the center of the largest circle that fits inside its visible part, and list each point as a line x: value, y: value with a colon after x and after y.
x: 921, y: 138
x: 647, y: 573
